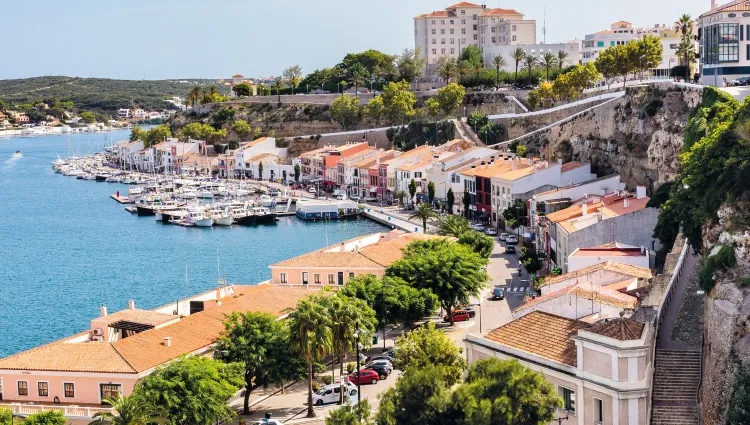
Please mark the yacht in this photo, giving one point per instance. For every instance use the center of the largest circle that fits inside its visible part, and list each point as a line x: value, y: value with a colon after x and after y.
x: 17, y: 154
x: 200, y: 218
x: 221, y: 216
x: 263, y: 215
x: 241, y: 213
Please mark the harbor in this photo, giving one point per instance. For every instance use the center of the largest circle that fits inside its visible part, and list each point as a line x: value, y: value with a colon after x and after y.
x: 72, y: 247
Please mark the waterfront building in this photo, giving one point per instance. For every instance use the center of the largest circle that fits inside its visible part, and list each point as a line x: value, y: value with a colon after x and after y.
x: 365, y: 178
x: 123, y: 113
x: 623, y: 32
x: 335, y: 265
x: 447, y: 32
x: 76, y: 373
x: 602, y: 370
x: 322, y: 164
x: 724, y: 38
x: 249, y: 154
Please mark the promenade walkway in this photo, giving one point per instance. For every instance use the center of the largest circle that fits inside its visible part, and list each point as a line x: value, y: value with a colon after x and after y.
x: 390, y: 216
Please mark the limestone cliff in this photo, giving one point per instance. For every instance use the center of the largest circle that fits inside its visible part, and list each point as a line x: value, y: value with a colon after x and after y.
x: 639, y: 135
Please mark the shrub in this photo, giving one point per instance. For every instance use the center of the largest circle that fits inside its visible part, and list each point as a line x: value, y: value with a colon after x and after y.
x: 327, y: 379
x: 315, y: 387
x: 745, y: 282
x: 350, y: 367
x: 721, y: 261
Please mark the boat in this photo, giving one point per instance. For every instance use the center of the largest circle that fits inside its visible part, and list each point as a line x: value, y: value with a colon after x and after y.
x: 263, y: 215
x: 221, y: 216
x: 241, y: 214
x: 319, y: 210
x: 101, y: 177
x: 17, y: 154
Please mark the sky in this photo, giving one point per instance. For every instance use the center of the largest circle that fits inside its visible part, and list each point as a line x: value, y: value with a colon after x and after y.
x: 167, y: 39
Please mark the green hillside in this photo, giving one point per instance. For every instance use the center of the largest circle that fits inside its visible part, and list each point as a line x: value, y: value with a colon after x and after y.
x: 99, y: 94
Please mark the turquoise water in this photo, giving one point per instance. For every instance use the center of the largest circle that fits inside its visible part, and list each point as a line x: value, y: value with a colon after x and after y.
x: 66, y: 247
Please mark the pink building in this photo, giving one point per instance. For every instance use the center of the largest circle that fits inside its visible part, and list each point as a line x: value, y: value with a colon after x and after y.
x: 75, y: 374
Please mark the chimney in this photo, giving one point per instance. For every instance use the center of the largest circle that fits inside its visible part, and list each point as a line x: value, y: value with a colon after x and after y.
x: 529, y: 161
x: 103, y: 311
x: 585, y: 210
x: 167, y: 341
x: 626, y: 203
x: 559, y: 161
x: 131, y: 305
x: 640, y: 192
x: 713, y: 4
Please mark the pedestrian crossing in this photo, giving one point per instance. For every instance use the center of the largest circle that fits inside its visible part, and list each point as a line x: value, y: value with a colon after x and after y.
x: 518, y: 290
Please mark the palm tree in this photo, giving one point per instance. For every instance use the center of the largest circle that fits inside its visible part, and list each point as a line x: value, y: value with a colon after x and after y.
x: 310, y: 337
x: 686, y: 48
x: 517, y: 55
x: 454, y: 225
x: 684, y: 24
x: 424, y: 212
x: 277, y: 86
x: 549, y: 60
x: 357, y: 75
x: 132, y: 410
x: 194, y: 95
x: 400, y: 195
x: 562, y: 57
x: 446, y: 68
x: 530, y: 62
x: 499, y: 62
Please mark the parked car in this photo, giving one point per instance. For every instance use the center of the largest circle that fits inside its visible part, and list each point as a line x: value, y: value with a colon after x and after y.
x: 382, y: 370
x: 479, y: 227
x: 458, y: 316
x: 330, y: 393
x: 381, y: 357
x: 391, y: 353
x: 498, y: 293
x: 510, y: 249
x: 469, y: 309
x: 512, y: 239
x: 341, y: 197
x: 374, y: 364
x: 504, y: 237
x: 491, y: 231
x: 371, y: 199
x: 354, y: 198
x: 365, y: 376
x: 311, y: 189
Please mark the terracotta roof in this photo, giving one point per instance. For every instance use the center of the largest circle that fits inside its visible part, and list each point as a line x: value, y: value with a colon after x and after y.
x: 609, y: 252
x: 605, y: 295
x: 497, y: 12
x: 734, y: 6
x: 489, y: 170
x: 619, y: 208
x: 572, y: 212
x: 146, y: 350
x: 543, y: 334
x: 622, y: 329
x: 61, y: 356
x: 144, y: 317
x: 571, y: 166
x: 424, y: 162
x: 237, y: 76
x: 435, y: 14
x: 388, y: 252
x: 329, y: 259
x: 263, y: 156
x: 613, y: 266
x: 619, y: 286
x: 408, y: 154
x: 621, y: 22
x: 462, y: 4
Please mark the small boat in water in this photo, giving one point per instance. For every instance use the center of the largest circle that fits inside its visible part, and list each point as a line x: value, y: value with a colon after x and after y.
x: 17, y: 154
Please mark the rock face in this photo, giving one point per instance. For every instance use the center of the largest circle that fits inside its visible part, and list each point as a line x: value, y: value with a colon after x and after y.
x: 726, y: 316
x: 639, y: 136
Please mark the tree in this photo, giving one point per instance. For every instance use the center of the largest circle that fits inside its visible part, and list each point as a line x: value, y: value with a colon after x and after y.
x: 430, y: 191
x: 345, y: 110
x: 311, y: 338
x: 421, y: 396
x: 451, y: 199
x: 249, y: 339
x: 450, y: 270
x: 375, y: 109
x: 530, y: 62
x: 427, y: 346
x: 432, y: 106
x: 686, y: 47
x: 473, y: 55
x: 242, y: 89
x: 466, y: 200
x: 137, y: 133
x: 606, y: 64
x: 278, y: 84
x: 398, y: 101
x: 242, y: 128
x: 412, y: 189
x: 620, y: 61
x: 400, y: 195
x: 358, y: 414
x: 424, y: 212
x: 260, y: 170
x: 455, y: 226
x: 88, y: 117
x: 549, y: 60
x: 478, y: 242
x: 211, y: 95
x: 357, y: 75
x: 49, y: 417
x: 504, y: 391
x: 157, y: 135
x: 646, y: 53
x: 521, y: 151
x: 499, y: 62
x: 346, y: 315
x: 517, y: 55
x: 296, y: 172
x: 450, y: 97
x: 194, y: 390
x: 410, y: 64
x: 446, y: 68
x: 562, y: 58
x: 132, y: 410
x: 194, y: 95
x: 293, y: 76
x: 200, y: 131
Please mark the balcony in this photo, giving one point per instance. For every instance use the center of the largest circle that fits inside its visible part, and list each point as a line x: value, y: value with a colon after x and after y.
x: 71, y: 411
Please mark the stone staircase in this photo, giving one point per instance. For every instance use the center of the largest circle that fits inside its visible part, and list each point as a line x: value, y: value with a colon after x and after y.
x: 677, y: 375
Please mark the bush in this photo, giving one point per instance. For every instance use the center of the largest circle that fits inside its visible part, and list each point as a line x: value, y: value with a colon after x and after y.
x: 721, y: 261
x: 327, y: 379
x: 315, y: 387
x: 738, y: 412
x: 350, y: 367
x: 651, y: 108
x: 745, y: 282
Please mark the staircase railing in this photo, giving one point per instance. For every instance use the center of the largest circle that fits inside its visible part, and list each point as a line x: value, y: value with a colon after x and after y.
x: 700, y: 382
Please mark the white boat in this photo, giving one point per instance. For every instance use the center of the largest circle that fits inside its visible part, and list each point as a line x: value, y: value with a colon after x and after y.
x: 266, y: 201
x: 89, y: 176
x: 221, y: 216
x: 17, y: 154
x: 204, y: 194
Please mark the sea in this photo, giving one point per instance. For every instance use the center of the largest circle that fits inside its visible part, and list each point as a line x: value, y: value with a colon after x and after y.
x: 66, y: 248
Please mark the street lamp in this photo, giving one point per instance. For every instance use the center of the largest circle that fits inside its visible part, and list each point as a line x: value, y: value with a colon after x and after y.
x: 359, y: 378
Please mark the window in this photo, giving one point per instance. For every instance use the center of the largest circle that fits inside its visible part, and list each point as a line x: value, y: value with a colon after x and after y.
x: 475, y: 36
x: 351, y: 275
x: 282, y: 277
x: 42, y: 389
x: 747, y: 52
x: 598, y: 411
x: 112, y: 391
x: 434, y: 41
x: 474, y: 17
x: 453, y: 41
x: 442, y: 41
x: 463, y: 12
x: 492, y: 29
x: 475, y: 27
x: 23, y: 388
x: 599, y: 44
x: 69, y: 389
x: 463, y: 30
x: 673, y: 46
x: 453, y: 51
x: 493, y: 39
x: 514, y: 38
x: 432, y: 22
x: 442, y: 22
x: 433, y: 31
x: 569, y: 399
x: 434, y: 52
x: 442, y: 51
x: 493, y: 20
x: 305, y: 278
x: 453, y: 31
x: 463, y: 21
x: 451, y: 21
x: 514, y: 28
x: 316, y: 278
x: 442, y: 30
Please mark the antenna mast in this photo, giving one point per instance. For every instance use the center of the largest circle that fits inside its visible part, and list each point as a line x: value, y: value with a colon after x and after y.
x: 544, y: 28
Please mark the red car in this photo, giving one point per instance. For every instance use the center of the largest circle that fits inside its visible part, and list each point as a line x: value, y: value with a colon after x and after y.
x: 366, y: 376
x: 458, y: 316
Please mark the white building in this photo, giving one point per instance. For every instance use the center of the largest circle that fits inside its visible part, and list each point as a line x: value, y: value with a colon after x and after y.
x: 445, y: 173
x: 248, y: 155
x: 447, y: 32
x: 123, y: 113
x: 622, y: 253
x: 140, y: 114
x: 724, y: 37
x: 572, y: 48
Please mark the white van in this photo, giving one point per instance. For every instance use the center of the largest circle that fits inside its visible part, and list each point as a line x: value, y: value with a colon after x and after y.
x: 330, y: 393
